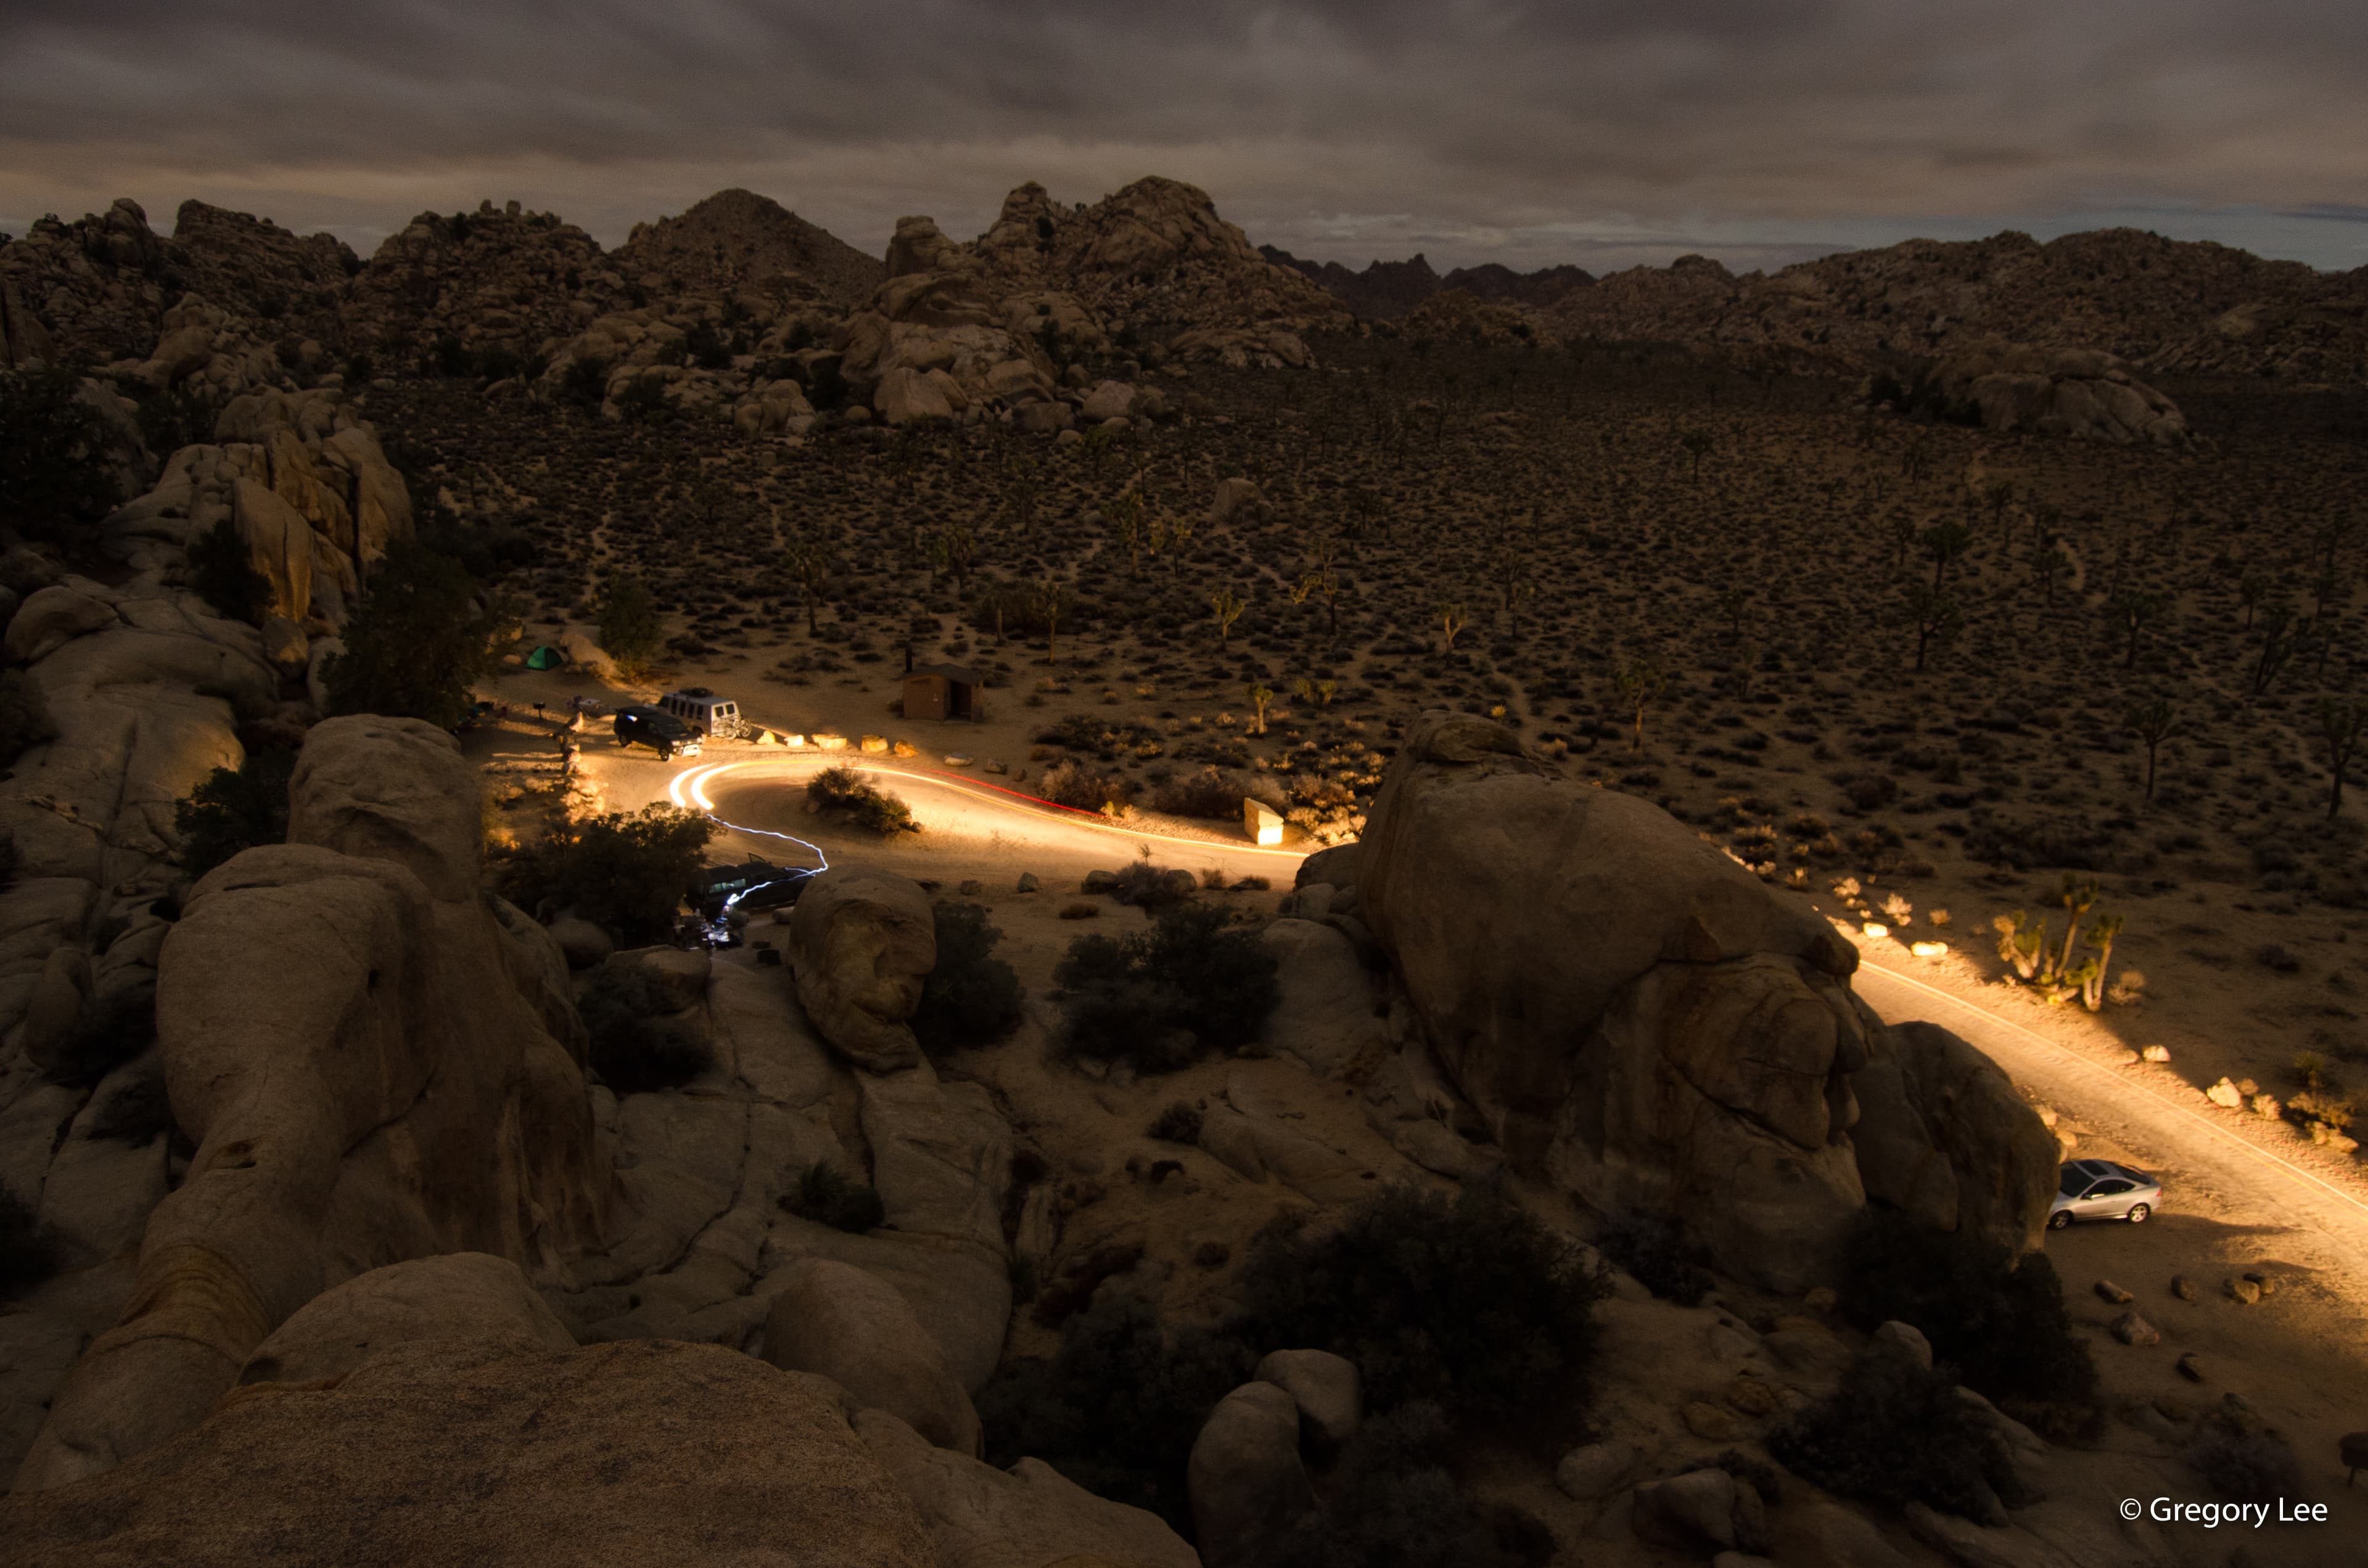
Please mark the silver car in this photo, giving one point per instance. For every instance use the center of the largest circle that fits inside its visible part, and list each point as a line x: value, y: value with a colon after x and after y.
x: 2099, y: 1190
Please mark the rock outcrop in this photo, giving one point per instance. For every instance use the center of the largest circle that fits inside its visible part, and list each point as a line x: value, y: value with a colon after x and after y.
x: 1642, y: 1021
x: 615, y: 1455
x: 860, y: 944
x: 375, y: 1061
x: 460, y: 1299
x: 839, y: 1322
x: 2063, y: 392
x: 748, y: 249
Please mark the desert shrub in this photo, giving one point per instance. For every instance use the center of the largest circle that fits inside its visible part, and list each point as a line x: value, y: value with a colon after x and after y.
x: 110, y: 1031
x: 30, y: 1254
x: 422, y: 635
x: 223, y: 575
x: 1070, y: 783
x: 624, y: 871
x: 585, y: 383
x: 25, y: 719
x: 972, y: 997
x: 1893, y: 1434
x: 171, y: 420
x: 1207, y: 791
x: 1998, y: 1320
x: 1149, y: 887
x: 1393, y: 1504
x: 1469, y: 1302
x: 636, y: 1046
x: 1193, y: 982
x: 235, y: 809
x: 54, y: 463
x: 1117, y: 1408
x: 1652, y: 1249
x: 828, y: 1196
x: 2243, y: 1461
x: 628, y: 619
x: 1871, y: 792
x: 644, y: 401
x: 844, y: 791
x: 1179, y: 1123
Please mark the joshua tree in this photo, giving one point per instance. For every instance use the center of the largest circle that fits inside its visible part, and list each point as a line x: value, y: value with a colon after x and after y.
x: 1125, y: 515
x: 2153, y: 722
x: 2132, y: 611
x: 2048, y: 562
x: 2251, y: 589
x: 1944, y: 542
x: 1318, y: 693
x: 1731, y: 602
x: 1452, y: 620
x: 1903, y: 534
x: 1226, y: 607
x: 806, y: 562
x: 2340, y: 721
x: 1935, y: 617
x: 1262, y: 696
x: 2049, y: 968
x: 1696, y: 444
x: 1639, y: 682
x: 1998, y: 494
x: 1050, y: 598
x: 953, y: 549
x: 2278, y: 644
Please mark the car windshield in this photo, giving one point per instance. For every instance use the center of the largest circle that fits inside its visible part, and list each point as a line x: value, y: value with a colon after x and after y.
x: 2074, y: 1183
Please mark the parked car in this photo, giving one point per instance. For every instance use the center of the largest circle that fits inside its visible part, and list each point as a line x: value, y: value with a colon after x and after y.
x: 779, y: 894
x: 658, y: 730
x: 717, y: 718
x: 2099, y: 1190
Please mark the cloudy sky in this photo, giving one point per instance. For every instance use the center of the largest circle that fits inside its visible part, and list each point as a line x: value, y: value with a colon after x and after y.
x: 1604, y: 132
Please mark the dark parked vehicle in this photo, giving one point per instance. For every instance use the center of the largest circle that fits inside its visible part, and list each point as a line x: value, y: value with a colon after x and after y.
x: 659, y: 731
x: 779, y: 894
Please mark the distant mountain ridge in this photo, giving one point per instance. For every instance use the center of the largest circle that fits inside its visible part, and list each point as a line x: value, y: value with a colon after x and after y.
x: 1386, y: 290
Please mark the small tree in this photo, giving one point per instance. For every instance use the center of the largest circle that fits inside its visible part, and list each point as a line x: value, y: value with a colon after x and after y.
x: 2133, y: 612
x: 1697, y: 445
x: 953, y: 549
x: 2340, y: 722
x: 2153, y: 722
x: 1942, y: 543
x: 623, y: 871
x: 1226, y: 606
x: 234, y: 809
x: 628, y: 619
x: 53, y: 453
x: 806, y: 562
x: 1935, y: 617
x: 1050, y: 600
x: 422, y: 635
x: 1640, y: 683
x: 1261, y: 696
x: 1453, y: 617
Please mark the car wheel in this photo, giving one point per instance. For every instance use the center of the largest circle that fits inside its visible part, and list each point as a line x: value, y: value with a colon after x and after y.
x: 2059, y: 1220
x: 2137, y: 1214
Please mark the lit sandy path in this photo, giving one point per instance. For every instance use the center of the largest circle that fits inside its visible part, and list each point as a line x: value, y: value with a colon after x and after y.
x: 2224, y: 1162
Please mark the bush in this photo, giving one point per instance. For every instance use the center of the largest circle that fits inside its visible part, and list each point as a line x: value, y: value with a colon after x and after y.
x: 30, y: 1254
x: 1392, y: 1503
x: 585, y: 383
x: 1470, y: 1303
x: 844, y: 791
x: 1194, y: 982
x: 972, y: 997
x: 1117, y: 1409
x: 1149, y: 887
x: 234, y: 810
x: 1210, y: 791
x: 644, y: 401
x: 224, y: 576
x: 628, y: 619
x: 108, y: 1031
x: 171, y: 420
x: 421, y: 637
x: 54, y: 463
x: 636, y: 1047
x: 828, y: 1196
x: 2243, y: 1462
x: 1895, y: 1433
x: 1999, y: 1321
x: 624, y: 871
x: 1083, y: 787
x: 1179, y: 1123
x: 1651, y: 1249
x: 25, y: 719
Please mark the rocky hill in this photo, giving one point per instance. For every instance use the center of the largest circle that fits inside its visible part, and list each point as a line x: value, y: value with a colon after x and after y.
x: 493, y: 276
x: 1385, y: 290
x: 2169, y: 306
x: 736, y: 241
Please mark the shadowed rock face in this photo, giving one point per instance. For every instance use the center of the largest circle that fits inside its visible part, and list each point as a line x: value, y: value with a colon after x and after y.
x: 375, y: 1066
x: 1641, y: 1020
x: 860, y: 944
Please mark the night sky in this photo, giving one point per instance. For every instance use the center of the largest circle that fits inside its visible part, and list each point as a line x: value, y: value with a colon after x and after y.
x: 1760, y: 132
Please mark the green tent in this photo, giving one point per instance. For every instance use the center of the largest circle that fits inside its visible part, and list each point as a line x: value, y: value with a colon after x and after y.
x: 545, y: 658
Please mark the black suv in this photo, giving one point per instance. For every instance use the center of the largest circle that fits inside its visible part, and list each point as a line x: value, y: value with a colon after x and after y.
x: 660, y: 731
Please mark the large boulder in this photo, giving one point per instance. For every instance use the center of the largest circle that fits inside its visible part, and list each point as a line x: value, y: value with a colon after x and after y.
x: 375, y: 1063
x: 637, y: 1455
x: 2082, y: 393
x: 1325, y: 1387
x: 854, y: 1327
x: 464, y: 1297
x: 1643, y: 1021
x: 1244, y: 1476
x: 1027, y: 1517
x: 860, y: 944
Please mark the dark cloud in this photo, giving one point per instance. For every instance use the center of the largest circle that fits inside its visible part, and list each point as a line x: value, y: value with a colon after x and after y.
x: 1602, y: 132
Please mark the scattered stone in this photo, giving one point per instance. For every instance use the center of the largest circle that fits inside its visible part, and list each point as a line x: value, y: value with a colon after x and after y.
x: 1596, y: 1470
x: 1029, y: 882
x: 1753, y: 1396
x: 1904, y: 1341
x: 2246, y: 1291
x: 2191, y: 1369
x: 2266, y: 1285
x: 2133, y: 1330
x: 1709, y: 1423
x: 970, y: 887
x: 1821, y: 1300
x: 2156, y: 1053
x: 2182, y: 1287
x: 2225, y: 1095
x: 2114, y: 1293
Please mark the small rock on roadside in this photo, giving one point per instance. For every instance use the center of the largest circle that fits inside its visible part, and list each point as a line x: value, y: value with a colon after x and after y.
x: 2265, y: 1283
x: 2191, y: 1369
x: 1028, y: 881
x: 2133, y: 1330
x: 2225, y: 1095
x: 1595, y: 1472
x: 2114, y: 1293
x: 2182, y: 1287
x: 2244, y: 1291
x: 2156, y: 1053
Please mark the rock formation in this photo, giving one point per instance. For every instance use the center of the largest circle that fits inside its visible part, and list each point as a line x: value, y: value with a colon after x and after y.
x: 747, y: 248
x: 860, y: 944
x: 1454, y: 316
x: 2063, y: 392
x: 376, y: 1063
x: 1643, y: 1022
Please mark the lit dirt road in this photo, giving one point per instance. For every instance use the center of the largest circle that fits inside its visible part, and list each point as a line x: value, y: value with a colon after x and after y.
x: 2237, y: 1168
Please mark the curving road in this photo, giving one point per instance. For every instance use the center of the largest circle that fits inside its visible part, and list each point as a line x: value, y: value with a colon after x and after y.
x: 2225, y: 1161
x: 2207, y: 1157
